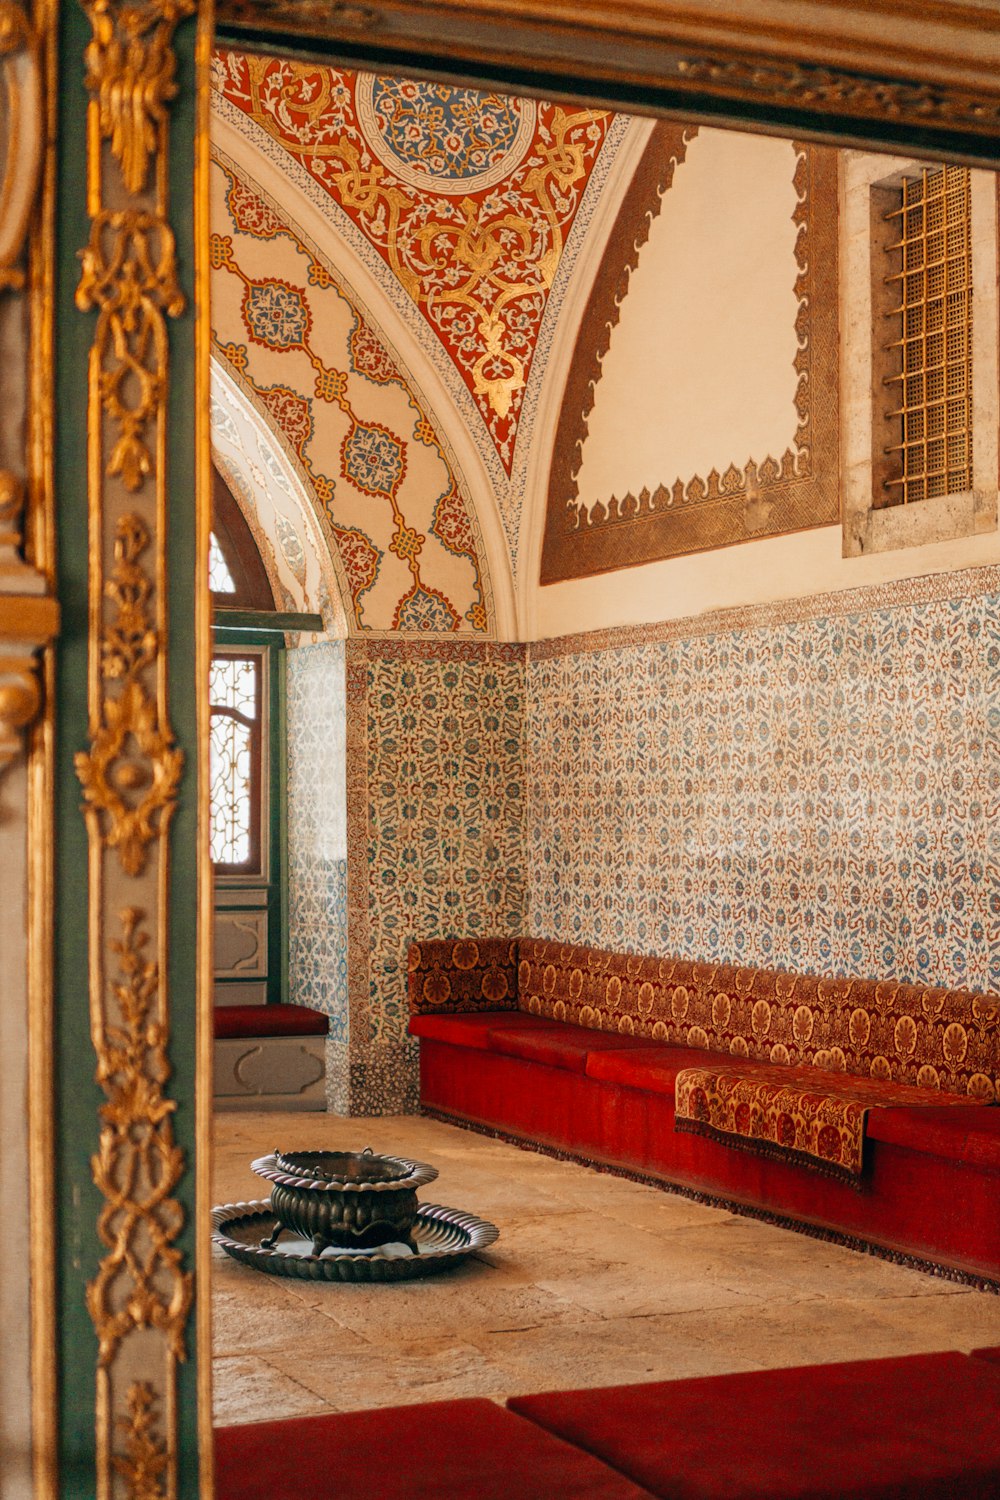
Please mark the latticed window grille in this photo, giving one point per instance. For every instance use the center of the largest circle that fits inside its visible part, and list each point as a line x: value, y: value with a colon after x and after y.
x: 931, y: 413
x: 235, y: 761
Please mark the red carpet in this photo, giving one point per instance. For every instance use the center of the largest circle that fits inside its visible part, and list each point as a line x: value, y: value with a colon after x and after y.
x: 446, y: 1450
x: 925, y: 1427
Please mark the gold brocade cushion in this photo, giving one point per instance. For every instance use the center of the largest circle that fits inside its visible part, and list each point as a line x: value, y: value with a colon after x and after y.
x: 935, y: 1039
x: 800, y: 1114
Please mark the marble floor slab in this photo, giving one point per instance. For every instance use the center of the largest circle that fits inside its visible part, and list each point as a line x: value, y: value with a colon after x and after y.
x: 594, y: 1281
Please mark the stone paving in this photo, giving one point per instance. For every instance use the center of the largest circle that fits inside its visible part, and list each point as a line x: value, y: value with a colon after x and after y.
x: 594, y: 1281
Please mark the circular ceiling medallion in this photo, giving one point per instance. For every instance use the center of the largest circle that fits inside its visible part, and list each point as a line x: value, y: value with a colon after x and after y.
x: 444, y: 139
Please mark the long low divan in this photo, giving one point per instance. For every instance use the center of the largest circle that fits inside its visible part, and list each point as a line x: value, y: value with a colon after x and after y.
x: 860, y: 1108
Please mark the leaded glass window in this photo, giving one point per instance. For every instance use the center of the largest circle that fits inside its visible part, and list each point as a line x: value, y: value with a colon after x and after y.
x: 236, y: 698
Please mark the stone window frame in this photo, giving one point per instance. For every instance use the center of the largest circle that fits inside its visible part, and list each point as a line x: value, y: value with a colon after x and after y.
x: 868, y: 527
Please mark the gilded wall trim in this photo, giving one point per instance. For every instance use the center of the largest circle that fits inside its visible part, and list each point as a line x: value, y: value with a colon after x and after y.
x: 878, y: 69
x: 767, y: 497
x: 140, y: 1299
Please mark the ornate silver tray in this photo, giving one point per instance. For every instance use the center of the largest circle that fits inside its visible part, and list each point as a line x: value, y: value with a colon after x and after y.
x: 444, y: 1237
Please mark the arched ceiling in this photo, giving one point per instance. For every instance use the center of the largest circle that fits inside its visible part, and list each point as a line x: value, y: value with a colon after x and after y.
x: 383, y: 489
x: 471, y: 212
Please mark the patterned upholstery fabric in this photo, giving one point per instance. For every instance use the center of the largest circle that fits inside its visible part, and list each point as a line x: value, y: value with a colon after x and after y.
x: 792, y: 1113
x: 462, y: 974
x: 894, y: 1033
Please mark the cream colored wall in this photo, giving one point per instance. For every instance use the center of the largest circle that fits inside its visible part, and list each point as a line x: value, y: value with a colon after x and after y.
x: 788, y: 567
x: 681, y: 392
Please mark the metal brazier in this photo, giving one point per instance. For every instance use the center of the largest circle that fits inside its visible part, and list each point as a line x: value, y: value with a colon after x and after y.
x: 345, y: 1199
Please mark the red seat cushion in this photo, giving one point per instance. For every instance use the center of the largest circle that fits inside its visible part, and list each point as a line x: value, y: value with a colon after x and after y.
x: 269, y: 1020
x: 467, y: 1028
x: 923, y: 1427
x: 558, y: 1044
x: 445, y: 1450
x: 654, y: 1069
x: 993, y: 1354
x: 970, y: 1134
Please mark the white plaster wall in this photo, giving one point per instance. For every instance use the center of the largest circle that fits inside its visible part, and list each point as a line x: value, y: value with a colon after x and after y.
x: 700, y: 372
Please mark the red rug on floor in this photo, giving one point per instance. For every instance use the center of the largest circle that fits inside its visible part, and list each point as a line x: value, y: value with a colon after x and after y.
x: 446, y: 1450
x: 924, y: 1427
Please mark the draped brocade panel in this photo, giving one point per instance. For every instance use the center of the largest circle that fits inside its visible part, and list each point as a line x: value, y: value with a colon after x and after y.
x: 801, y: 1114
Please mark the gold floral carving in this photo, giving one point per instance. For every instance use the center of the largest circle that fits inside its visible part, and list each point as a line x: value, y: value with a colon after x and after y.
x: 130, y: 276
x: 133, y: 767
x: 144, y: 1463
x: 140, y: 1283
x: 130, y: 72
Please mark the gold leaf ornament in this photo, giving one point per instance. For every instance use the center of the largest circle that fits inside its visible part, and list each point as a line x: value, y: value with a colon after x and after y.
x: 130, y: 66
x: 143, y: 1465
x: 133, y: 767
x: 130, y: 276
x: 140, y: 1283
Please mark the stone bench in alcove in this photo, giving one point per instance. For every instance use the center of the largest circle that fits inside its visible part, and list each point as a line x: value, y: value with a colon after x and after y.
x: 270, y: 1057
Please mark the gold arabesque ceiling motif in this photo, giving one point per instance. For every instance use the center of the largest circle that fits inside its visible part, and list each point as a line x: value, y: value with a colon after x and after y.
x: 467, y: 198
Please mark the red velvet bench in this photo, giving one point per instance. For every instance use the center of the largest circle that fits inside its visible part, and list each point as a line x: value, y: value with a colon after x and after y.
x: 445, y: 1450
x: 922, y: 1427
x: 931, y: 1180
x: 270, y: 1057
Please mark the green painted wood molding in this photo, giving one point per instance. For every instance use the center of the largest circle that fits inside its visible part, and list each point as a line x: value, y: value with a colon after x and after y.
x: 272, y: 622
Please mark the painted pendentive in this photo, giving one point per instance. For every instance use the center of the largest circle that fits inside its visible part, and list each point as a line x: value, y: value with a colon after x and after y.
x: 317, y: 835
x: 466, y: 208
x: 435, y: 834
x: 811, y: 786
x: 386, y: 494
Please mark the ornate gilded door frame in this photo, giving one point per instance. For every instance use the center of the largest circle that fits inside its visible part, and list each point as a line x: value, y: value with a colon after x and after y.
x: 133, y: 536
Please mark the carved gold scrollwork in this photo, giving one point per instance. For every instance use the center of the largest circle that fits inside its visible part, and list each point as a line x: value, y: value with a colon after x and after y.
x: 130, y: 276
x: 133, y: 767
x: 130, y: 72
x: 140, y: 1283
x: 20, y: 78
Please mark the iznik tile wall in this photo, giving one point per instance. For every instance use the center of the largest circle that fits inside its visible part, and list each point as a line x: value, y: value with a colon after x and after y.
x: 813, y: 793
x: 317, y: 835
x: 441, y: 843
